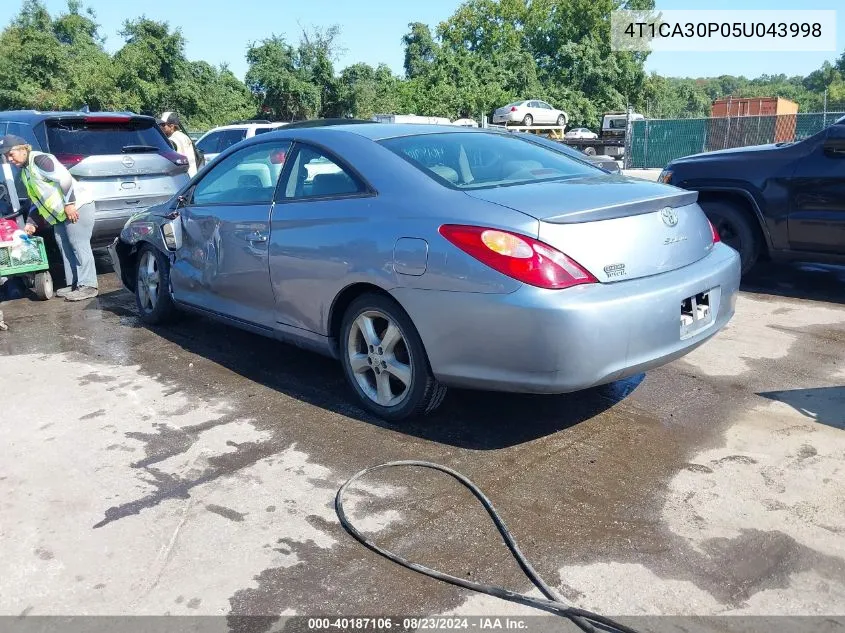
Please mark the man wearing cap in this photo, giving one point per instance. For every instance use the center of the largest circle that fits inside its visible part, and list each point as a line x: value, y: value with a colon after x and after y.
x: 60, y: 202
x: 172, y: 127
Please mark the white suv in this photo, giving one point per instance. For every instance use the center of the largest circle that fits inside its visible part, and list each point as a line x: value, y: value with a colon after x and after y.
x: 220, y: 138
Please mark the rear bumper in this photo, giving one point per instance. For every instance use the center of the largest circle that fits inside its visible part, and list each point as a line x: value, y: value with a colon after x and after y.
x: 510, y: 117
x: 542, y: 341
x: 109, y: 224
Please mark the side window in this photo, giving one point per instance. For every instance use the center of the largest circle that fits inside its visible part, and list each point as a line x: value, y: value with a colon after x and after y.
x: 315, y: 175
x: 25, y: 132
x: 210, y: 143
x: 230, y: 137
x: 2, y: 128
x: 248, y: 176
x: 262, y: 130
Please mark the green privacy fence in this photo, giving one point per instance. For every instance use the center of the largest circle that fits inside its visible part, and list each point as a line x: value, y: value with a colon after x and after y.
x: 656, y: 142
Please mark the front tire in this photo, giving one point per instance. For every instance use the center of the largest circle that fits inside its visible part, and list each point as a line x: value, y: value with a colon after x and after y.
x: 152, y: 287
x: 735, y: 229
x: 590, y: 151
x: 561, y: 120
x: 385, y: 362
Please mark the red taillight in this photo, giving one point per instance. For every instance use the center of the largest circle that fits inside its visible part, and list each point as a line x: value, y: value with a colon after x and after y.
x: 69, y: 160
x: 513, y: 108
x: 523, y: 258
x: 715, y: 233
x: 175, y: 158
x: 107, y: 119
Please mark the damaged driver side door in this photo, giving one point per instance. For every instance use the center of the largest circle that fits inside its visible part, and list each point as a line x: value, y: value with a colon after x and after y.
x: 222, y: 265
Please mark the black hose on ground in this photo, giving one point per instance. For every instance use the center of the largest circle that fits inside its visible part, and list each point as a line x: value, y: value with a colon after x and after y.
x: 552, y: 603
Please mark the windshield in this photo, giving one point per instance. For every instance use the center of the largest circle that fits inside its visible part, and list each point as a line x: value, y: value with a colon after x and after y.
x: 87, y: 138
x: 467, y: 160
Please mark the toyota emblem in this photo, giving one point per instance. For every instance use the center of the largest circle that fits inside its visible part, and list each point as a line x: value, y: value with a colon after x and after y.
x: 128, y: 162
x: 670, y: 218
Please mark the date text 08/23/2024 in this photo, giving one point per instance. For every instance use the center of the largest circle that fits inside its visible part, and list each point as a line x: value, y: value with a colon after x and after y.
x: 415, y: 623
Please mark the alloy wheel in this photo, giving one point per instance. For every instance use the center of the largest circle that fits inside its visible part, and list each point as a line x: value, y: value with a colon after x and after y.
x: 380, y: 358
x: 149, y: 281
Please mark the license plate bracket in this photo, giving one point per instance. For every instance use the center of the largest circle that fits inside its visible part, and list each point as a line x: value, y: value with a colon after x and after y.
x: 696, y: 313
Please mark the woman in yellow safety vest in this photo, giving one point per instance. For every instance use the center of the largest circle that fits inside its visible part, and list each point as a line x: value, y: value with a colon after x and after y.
x: 62, y: 204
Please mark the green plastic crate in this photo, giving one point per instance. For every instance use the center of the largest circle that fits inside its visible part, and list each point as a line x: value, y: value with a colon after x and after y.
x: 10, y: 265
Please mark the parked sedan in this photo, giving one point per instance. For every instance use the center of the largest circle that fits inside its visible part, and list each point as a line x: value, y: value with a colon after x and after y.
x: 530, y: 113
x: 424, y: 257
x: 580, y: 132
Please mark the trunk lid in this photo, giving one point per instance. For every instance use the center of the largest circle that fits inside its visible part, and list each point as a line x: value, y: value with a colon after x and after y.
x: 130, y: 166
x: 617, y: 228
x: 506, y: 109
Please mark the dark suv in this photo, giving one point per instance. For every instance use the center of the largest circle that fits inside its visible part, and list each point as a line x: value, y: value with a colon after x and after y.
x: 781, y: 201
x: 123, y: 159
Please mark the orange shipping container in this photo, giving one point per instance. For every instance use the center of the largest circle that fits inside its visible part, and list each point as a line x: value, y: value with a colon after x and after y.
x: 777, y: 126
x: 753, y: 106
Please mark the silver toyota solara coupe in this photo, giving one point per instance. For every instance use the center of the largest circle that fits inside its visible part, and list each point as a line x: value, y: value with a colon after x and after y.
x: 424, y: 257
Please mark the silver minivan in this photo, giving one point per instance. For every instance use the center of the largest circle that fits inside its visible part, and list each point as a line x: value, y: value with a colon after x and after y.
x: 122, y: 158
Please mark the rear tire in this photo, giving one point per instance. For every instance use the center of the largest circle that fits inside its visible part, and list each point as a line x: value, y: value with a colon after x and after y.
x: 385, y: 362
x: 735, y: 229
x: 152, y: 287
x: 528, y: 121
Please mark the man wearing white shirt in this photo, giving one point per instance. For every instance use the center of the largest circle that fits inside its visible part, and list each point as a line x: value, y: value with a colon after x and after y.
x: 171, y: 125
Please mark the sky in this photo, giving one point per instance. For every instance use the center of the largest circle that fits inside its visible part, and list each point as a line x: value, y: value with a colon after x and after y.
x: 219, y: 31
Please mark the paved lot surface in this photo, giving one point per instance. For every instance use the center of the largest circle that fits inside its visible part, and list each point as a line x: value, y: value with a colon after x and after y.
x: 192, y: 470
x: 645, y: 174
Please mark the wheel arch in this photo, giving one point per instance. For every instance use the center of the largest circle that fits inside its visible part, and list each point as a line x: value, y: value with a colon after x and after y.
x: 128, y: 255
x: 342, y: 301
x: 745, y: 201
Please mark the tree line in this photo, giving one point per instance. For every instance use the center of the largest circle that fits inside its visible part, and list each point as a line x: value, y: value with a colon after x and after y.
x: 487, y: 54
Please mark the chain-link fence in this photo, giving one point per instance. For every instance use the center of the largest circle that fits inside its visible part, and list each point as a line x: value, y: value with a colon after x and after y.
x: 656, y: 142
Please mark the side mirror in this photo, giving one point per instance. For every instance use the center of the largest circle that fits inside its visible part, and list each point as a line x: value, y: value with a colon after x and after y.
x: 181, y: 201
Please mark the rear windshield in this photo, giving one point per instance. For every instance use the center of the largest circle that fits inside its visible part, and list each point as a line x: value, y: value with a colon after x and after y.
x: 77, y: 136
x: 467, y: 160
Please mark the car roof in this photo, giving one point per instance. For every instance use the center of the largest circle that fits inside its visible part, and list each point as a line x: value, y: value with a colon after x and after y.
x: 381, y: 131
x: 29, y: 116
x: 244, y: 126
x: 325, y: 122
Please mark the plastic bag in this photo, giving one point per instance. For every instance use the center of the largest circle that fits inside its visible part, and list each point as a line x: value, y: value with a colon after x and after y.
x: 7, y: 230
x: 24, y: 251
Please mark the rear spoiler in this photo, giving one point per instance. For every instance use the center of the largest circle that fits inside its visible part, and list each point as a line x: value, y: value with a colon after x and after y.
x: 105, y: 117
